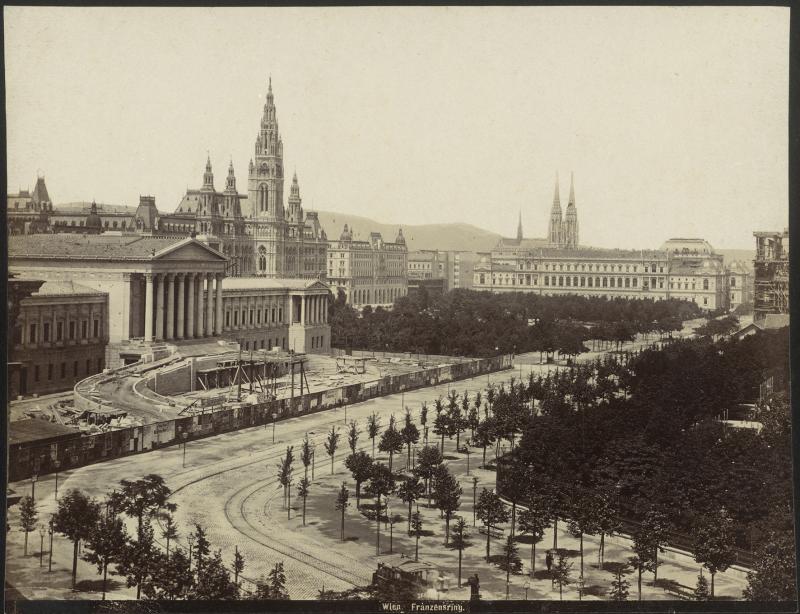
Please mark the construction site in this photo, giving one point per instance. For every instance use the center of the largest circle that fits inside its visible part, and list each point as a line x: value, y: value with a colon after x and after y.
x: 771, y: 291
x: 203, y: 389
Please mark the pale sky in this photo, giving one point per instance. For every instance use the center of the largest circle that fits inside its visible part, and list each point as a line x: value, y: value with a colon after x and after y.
x: 674, y: 120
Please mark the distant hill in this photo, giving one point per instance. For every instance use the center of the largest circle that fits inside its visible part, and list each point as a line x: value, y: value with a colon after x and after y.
x: 453, y: 236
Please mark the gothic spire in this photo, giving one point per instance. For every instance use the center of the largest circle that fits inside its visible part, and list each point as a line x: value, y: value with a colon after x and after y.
x: 208, y: 176
x: 571, y: 189
x: 556, y: 197
x: 230, y: 182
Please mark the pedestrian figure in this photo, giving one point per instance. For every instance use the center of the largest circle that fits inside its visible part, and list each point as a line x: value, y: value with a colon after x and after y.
x: 548, y: 560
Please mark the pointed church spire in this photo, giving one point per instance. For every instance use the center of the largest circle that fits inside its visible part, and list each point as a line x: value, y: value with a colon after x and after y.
x: 230, y: 182
x: 571, y: 189
x: 556, y: 197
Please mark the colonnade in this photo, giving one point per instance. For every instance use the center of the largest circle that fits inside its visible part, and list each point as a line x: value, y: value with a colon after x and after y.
x: 314, y: 309
x: 182, y: 306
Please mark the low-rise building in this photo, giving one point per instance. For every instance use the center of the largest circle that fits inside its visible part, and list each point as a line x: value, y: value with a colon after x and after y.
x: 59, y: 338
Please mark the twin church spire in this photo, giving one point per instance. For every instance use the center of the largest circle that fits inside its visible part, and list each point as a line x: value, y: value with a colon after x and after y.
x: 563, y: 232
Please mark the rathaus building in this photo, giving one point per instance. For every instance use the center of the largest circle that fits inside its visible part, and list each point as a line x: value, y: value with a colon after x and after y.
x: 261, y: 233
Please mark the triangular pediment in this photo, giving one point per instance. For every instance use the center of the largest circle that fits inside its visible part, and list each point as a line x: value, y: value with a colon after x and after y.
x: 190, y: 249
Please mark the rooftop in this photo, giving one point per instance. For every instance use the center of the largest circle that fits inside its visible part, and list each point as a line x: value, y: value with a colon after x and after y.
x: 64, y: 288
x: 89, y: 247
x: 24, y: 431
x: 256, y: 283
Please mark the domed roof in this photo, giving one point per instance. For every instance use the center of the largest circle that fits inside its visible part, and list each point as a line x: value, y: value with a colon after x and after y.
x: 400, y: 238
x: 347, y: 234
x: 93, y: 220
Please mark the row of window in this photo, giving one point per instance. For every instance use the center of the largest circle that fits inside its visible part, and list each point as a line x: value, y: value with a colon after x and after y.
x: 266, y: 344
x: 677, y: 285
x: 47, y: 332
x: 629, y: 268
x: 317, y: 341
x: 62, y: 371
x: 255, y: 316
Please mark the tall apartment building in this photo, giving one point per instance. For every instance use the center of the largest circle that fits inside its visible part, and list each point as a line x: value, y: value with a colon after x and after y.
x: 372, y: 272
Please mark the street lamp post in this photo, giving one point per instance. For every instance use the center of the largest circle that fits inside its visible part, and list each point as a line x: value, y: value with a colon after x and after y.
x: 468, y: 453
x: 56, y: 464
x: 274, y: 417
x: 184, y: 436
x: 474, y: 493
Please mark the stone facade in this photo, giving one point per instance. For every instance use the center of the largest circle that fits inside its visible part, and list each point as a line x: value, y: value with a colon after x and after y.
x: 373, y: 272
x: 59, y: 338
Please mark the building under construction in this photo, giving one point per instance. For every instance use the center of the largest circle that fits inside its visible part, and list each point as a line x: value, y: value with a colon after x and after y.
x: 771, y: 292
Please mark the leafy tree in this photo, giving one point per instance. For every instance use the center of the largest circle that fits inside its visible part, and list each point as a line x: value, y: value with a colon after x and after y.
x: 173, y: 578
x: 373, y: 428
x: 352, y: 436
x: 423, y: 416
x: 460, y: 541
x: 428, y: 459
x: 655, y: 528
x: 619, y: 586
x: 139, y: 560
x: 441, y: 426
x: 772, y: 577
x: 331, y: 443
x: 409, y: 491
x: 302, y: 491
x: 142, y: 498
x: 238, y: 567
x: 561, y: 574
x: 285, y: 472
x: 342, y: 503
x: 416, y: 528
x: 277, y: 582
x: 712, y: 540
x: 511, y: 561
x: 306, y: 455
x: 491, y: 511
x: 701, y: 588
x: 214, y: 581
x: 485, y: 436
x: 74, y: 518
x: 381, y: 484
x: 105, y: 544
x: 534, y: 521
x: 391, y: 442
x: 170, y: 531
x: 202, y: 547
x: 447, y: 493
x: 410, y: 435
x: 28, y: 517
x: 360, y: 466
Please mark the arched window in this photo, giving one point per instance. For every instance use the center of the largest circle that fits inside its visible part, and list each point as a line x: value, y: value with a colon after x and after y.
x: 262, y: 259
x: 705, y: 284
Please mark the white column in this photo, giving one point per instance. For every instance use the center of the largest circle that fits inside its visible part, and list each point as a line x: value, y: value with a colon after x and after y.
x: 219, y: 321
x: 209, y: 330
x: 160, y: 307
x: 302, y: 310
x: 199, y: 281
x: 190, y: 305
x: 170, y: 306
x: 181, y: 301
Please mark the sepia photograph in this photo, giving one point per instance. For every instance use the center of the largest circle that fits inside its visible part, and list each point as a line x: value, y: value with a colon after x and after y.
x: 519, y: 274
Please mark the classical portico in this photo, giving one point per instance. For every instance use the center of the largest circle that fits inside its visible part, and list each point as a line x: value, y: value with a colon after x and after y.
x: 182, y: 305
x: 160, y: 290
